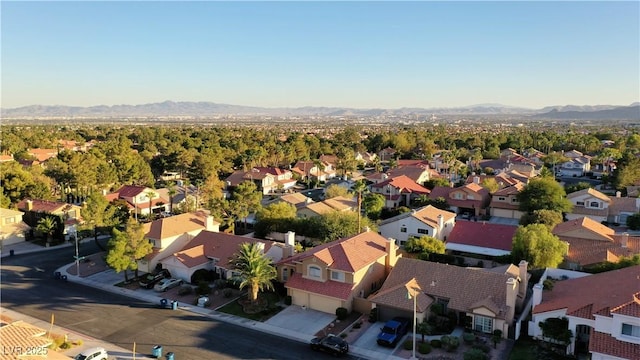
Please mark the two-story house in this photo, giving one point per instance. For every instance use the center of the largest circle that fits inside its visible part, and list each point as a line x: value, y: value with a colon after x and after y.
x: 577, y: 165
x: 398, y: 191
x: 428, y: 220
x: 387, y: 154
x: 142, y: 200
x: 331, y: 275
x: 590, y: 203
x: 310, y: 170
x: 267, y: 179
x: 602, y: 311
x: 504, y: 202
x: 12, y: 228
x: 467, y: 199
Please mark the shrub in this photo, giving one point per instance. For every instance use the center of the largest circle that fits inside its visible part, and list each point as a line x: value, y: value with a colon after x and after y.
x: 343, y: 335
x: 203, y: 288
x: 424, y: 348
x: 373, y: 315
x: 358, y: 324
x: 287, y: 300
x: 437, y: 309
x: 450, y: 343
x: 220, y: 283
x: 65, y: 345
x: 436, y: 343
x: 226, y: 292
x: 475, y: 354
x: 342, y: 313
x: 482, y: 347
x: 185, y: 289
x: 468, y: 338
x: 407, y: 345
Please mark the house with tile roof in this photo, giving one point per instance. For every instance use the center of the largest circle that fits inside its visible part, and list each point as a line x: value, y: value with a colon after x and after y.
x: 470, y: 198
x: 590, y: 203
x: 299, y: 200
x: 621, y: 208
x: 333, y: 274
x: 504, y: 202
x: 387, y: 154
x: 6, y: 158
x: 12, y: 228
x: 36, y: 209
x: 21, y: 340
x: 481, y: 238
x: 590, y: 243
x: 212, y: 251
x: 577, y: 165
x: 170, y: 234
x: 428, y: 220
x: 602, y: 312
x: 365, y: 157
x: 42, y: 155
x: 418, y: 173
x: 141, y: 200
x: 484, y: 298
x: 308, y: 169
x: 398, y: 191
x: 267, y: 179
x: 338, y: 203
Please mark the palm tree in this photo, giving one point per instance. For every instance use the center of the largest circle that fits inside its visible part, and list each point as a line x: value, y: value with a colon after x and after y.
x: 171, y: 190
x: 359, y: 187
x: 150, y: 195
x: 256, y: 270
x: 47, y: 226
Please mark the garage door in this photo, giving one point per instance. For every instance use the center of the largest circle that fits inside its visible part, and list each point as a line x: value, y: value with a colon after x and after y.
x: 502, y: 213
x: 324, y: 304
x: 387, y: 313
x: 299, y: 298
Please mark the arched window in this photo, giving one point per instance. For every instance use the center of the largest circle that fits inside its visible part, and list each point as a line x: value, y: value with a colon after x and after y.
x: 314, y: 271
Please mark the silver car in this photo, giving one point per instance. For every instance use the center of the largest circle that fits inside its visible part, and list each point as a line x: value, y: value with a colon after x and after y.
x: 96, y: 353
x: 166, y: 284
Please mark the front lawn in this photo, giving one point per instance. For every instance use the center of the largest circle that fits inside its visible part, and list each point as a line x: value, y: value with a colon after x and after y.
x: 269, y: 308
x: 528, y: 349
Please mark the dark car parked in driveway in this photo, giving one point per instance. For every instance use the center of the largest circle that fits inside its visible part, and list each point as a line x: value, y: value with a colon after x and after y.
x: 332, y: 344
x: 151, y: 279
x: 393, y: 331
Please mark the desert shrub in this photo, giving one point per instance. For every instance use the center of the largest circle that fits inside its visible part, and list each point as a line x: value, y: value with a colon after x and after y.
x: 342, y: 313
x: 203, y: 288
x: 373, y: 315
x: 475, y: 354
x: 450, y: 343
x: 226, y: 292
x: 424, y: 348
x: 407, y: 345
x: 220, y: 283
x: 65, y: 345
x: 287, y: 300
x: 468, y: 338
x: 185, y: 290
x: 435, y: 343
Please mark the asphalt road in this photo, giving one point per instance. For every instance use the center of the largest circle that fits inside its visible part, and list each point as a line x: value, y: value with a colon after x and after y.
x: 28, y: 287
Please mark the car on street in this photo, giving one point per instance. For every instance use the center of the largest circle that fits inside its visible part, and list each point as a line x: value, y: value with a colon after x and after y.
x: 393, y: 331
x: 151, y: 279
x: 332, y: 344
x: 166, y: 284
x: 94, y: 353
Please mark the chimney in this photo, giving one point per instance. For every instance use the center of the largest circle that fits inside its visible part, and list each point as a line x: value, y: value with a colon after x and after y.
x: 104, y: 192
x: 537, y: 294
x: 567, y: 246
x: 367, y: 229
x: 391, y: 258
x: 290, y: 238
x: 624, y: 240
x: 524, y: 279
x: 29, y: 205
x: 211, y: 224
x: 476, y: 180
x: 440, y: 222
x: 511, y: 292
x: 618, y: 194
x: 260, y: 246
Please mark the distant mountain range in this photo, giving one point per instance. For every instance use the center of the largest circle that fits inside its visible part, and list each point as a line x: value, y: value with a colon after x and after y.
x: 205, y: 109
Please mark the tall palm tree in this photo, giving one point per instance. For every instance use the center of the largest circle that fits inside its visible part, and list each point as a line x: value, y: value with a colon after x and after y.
x: 171, y: 190
x: 256, y: 270
x: 150, y: 195
x: 359, y: 187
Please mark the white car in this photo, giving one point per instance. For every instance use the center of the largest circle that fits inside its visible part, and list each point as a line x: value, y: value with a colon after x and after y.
x: 95, y: 353
x: 166, y: 284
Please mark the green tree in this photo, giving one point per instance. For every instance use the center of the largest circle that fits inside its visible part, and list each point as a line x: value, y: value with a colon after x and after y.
x: 536, y: 244
x: 335, y: 190
x: 424, y: 245
x: 438, y: 181
x: 633, y: 221
x: 48, y: 227
x: 279, y: 210
x: 246, y: 199
x: 359, y: 187
x: 127, y: 247
x: 424, y: 328
x: 150, y: 194
x: 490, y: 184
x: 543, y: 194
x: 577, y: 187
x: 337, y: 224
x: 549, y: 218
x: 171, y: 191
x: 256, y: 270
x: 97, y: 211
x: 373, y: 205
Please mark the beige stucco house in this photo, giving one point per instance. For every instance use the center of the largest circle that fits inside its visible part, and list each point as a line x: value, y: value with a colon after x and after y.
x: 426, y: 221
x: 331, y: 275
x: 12, y: 228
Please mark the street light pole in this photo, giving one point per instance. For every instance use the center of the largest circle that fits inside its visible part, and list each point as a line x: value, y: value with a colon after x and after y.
x: 413, y: 289
x: 77, y: 256
x: 415, y: 298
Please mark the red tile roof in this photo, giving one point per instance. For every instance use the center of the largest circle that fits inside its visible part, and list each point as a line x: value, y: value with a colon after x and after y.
x: 175, y: 225
x: 404, y: 183
x: 334, y: 289
x: 606, y: 344
x: 129, y: 191
x: 487, y: 235
x: 615, y: 288
x: 45, y: 206
x: 348, y: 254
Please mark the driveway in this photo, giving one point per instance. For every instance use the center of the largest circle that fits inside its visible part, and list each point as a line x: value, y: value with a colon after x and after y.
x: 368, y: 340
x: 295, y: 318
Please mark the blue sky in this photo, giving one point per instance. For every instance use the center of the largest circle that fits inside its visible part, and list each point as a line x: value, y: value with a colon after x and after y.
x: 351, y: 54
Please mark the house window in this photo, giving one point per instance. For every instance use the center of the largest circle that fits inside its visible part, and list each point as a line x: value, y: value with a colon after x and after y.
x: 501, y: 198
x: 594, y: 204
x: 403, y: 229
x: 580, y: 203
x: 337, y: 276
x: 444, y: 303
x: 285, y: 274
x: 631, y: 330
x: 314, y: 271
x: 423, y: 231
x: 483, y: 324
x: 153, y: 242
